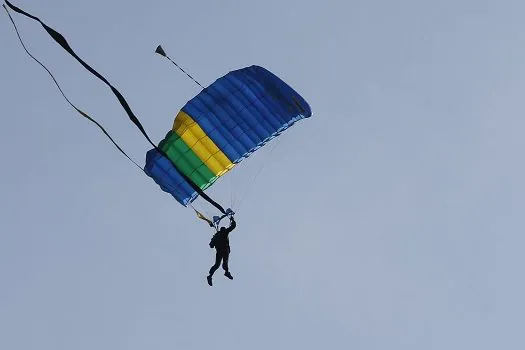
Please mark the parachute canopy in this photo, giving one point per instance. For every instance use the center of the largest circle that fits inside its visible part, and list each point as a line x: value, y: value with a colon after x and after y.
x: 224, y: 124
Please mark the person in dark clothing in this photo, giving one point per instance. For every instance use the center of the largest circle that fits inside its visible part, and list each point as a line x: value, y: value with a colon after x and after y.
x: 221, y: 243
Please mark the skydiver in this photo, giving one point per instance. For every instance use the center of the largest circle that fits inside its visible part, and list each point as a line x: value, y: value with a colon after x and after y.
x: 221, y: 243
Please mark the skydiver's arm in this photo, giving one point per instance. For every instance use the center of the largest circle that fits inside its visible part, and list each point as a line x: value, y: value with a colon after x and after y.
x: 233, y: 225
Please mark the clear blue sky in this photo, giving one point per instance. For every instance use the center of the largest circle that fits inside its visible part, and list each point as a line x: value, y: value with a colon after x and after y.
x: 392, y: 219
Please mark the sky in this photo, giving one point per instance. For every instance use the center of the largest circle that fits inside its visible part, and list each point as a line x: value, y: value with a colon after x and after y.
x: 391, y: 219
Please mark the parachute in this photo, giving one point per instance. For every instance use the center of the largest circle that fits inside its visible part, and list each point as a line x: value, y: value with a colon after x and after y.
x: 213, y: 132
x: 224, y: 124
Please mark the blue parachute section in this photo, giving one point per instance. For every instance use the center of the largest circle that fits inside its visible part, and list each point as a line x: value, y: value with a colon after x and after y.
x: 169, y: 179
x: 244, y: 109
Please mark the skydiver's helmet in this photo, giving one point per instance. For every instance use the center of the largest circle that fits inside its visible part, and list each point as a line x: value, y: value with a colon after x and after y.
x: 223, y: 228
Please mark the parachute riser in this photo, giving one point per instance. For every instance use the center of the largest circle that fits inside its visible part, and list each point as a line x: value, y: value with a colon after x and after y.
x: 217, y: 219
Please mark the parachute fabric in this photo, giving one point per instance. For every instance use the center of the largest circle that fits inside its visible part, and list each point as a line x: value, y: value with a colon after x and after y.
x: 224, y: 124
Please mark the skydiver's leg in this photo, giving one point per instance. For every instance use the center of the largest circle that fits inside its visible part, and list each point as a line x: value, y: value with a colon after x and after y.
x: 225, y: 259
x: 225, y: 266
x: 218, y: 258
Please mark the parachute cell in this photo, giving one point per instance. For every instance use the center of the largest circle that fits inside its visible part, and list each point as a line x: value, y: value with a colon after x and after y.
x: 224, y: 124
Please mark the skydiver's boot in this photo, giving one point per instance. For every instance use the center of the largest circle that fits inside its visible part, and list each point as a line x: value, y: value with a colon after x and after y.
x: 209, y: 280
x: 228, y: 274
